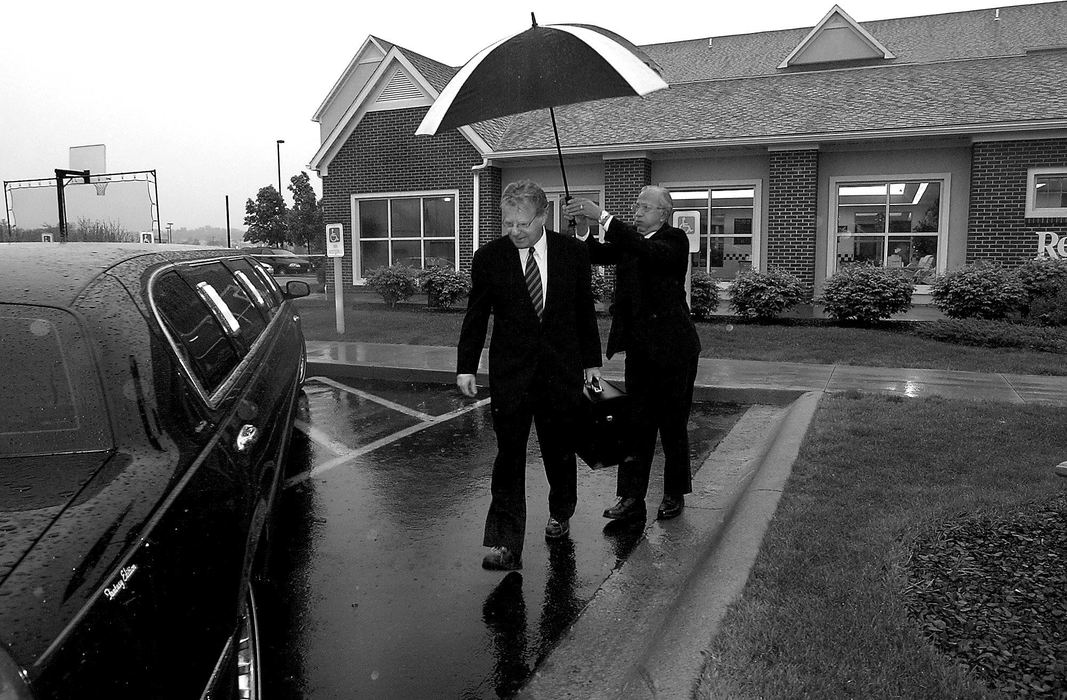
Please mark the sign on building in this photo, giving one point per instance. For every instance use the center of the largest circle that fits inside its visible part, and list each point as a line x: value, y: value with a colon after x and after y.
x: 1051, y: 245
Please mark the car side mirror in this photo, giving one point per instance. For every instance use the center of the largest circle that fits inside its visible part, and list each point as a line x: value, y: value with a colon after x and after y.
x: 294, y: 289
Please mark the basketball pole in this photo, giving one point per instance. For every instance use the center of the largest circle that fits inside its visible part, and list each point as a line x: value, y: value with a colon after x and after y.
x: 60, y: 184
x: 228, y: 221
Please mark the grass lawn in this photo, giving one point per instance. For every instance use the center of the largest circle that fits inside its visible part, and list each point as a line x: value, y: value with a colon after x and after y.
x: 821, y: 344
x: 824, y: 613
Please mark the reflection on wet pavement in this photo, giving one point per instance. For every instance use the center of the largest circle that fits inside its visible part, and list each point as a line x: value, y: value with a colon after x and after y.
x: 377, y: 589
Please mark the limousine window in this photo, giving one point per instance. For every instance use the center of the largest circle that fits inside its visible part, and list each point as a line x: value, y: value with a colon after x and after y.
x: 202, y: 339
x: 49, y: 389
x: 234, y: 301
x: 258, y: 291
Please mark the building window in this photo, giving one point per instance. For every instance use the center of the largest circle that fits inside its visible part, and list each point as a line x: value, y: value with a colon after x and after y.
x: 1046, y: 193
x: 724, y: 218
x: 555, y: 220
x: 414, y: 229
x: 894, y: 224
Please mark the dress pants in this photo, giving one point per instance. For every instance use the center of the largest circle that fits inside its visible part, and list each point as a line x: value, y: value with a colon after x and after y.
x: 661, y: 396
x: 505, y: 525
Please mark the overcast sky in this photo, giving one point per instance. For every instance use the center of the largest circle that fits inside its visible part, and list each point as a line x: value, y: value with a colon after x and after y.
x: 200, y: 91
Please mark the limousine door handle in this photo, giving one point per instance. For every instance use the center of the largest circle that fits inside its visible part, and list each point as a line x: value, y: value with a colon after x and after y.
x: 246, y: 437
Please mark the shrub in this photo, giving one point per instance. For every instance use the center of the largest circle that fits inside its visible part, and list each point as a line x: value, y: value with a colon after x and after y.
x: 993, y: 334
x: 394, y: 284
x: 1041, y: 279
x: 444, y: 286
x: 866, y: 293
x: 703, y: 296
x: 600, y: 284
x: 979, y: 290
x: 764, y: 295
x: 1050, y: 307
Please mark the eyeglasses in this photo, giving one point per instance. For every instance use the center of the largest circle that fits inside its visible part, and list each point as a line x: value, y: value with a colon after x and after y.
x: 522, y: 225
x: 640, y: 208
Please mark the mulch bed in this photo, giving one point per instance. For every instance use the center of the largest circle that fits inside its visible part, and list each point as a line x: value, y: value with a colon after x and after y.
x: 991, y: 592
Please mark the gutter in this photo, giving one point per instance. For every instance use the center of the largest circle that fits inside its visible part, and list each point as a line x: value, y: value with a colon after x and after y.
x: 477, y: 170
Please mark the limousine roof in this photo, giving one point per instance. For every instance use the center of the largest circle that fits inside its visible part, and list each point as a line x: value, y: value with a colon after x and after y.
x: 54, y: 274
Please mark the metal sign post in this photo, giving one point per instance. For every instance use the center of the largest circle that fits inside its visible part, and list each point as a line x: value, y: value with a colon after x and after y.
x: 335, y: 248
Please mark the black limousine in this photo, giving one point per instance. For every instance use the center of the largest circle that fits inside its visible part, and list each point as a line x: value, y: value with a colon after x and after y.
x: 147, y: 397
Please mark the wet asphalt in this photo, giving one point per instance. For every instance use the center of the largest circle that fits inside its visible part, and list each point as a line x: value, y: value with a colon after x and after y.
x: 375, y: 588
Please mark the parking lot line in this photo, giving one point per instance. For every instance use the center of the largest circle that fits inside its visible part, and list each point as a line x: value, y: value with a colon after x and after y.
x: 370, y: 447
x: 371, y: 397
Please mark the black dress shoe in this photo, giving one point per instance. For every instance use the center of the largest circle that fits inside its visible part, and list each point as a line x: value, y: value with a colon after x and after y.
x: 671, y: 507
x: 557, y: 529
x: 627, y: 509
x: 501, y: 559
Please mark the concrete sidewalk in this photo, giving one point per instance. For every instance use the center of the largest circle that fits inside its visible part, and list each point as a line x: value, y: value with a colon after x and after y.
x: 745, y: 381
x: 646, y: 631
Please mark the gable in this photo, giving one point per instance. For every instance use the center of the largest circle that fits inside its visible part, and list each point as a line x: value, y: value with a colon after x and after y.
x: 836, y: 38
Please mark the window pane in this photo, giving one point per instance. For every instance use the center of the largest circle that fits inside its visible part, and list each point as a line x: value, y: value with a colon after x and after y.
x: 913, y: 206
x: 439, y: 216
x: 923, y: 261
x: 249, y: 319
x: 407, y: 253
x: 373, y: 254
x: 860, y: 249
x: 201, y: 338
x: 406, y: 217
x: 373, y: 218
x: 440, y: 254
x: 1050, y: 191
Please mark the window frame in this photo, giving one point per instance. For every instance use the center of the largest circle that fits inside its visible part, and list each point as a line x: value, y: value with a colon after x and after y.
x: 943, y: 209
x: 356, y: 238
x: 1032, y: 212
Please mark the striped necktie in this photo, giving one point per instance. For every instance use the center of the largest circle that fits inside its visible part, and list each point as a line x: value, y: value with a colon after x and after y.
x: 533, y: 283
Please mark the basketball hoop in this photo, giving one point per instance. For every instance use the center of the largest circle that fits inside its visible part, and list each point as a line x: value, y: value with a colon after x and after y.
x: 101, y: 187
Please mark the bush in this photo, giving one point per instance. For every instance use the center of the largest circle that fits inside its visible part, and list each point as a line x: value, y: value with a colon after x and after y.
x: 979, y: 290
x: 866, y: 293
x: 993, y: 334
x: 1050, y: 308
x: 764, y: 295
x: 600, y: 284
x: 444, y: 286
x: 704, y: 295
x: 1041, y: 279
x: 394, y: 284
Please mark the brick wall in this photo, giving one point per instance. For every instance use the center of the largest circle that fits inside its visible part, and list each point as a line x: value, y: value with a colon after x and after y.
x: 998, y: 229
x: 489, y: 190
x: 792, y: 196
x: 384, y: 155
x: 623, y: 180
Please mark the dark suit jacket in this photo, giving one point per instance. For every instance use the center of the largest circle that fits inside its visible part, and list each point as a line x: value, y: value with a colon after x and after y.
x: 649, y: 315
x: 522, y: 351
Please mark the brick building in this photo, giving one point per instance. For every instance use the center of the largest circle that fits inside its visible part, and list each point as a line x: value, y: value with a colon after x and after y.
x: 921, y: 143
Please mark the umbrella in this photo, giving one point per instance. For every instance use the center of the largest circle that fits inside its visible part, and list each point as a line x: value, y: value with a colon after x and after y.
x: 549, y: 66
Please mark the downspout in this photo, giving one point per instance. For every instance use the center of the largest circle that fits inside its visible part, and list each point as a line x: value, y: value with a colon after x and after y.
x: 477, y: 170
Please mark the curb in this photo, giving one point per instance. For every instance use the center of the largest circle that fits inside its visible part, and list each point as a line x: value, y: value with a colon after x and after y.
x: 646, y: 630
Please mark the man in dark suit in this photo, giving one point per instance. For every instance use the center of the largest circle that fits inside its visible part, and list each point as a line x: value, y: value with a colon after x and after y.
x: 536, y: 284
x: 651, y: 324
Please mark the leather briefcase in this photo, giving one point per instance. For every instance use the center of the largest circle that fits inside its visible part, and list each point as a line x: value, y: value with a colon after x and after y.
x: 604, y: 423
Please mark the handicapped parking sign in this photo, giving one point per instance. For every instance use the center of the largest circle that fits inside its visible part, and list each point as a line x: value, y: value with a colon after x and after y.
x: 335, y: 241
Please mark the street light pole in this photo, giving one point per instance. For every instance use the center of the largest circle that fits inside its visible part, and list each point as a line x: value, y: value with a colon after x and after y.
x: 278, y: 148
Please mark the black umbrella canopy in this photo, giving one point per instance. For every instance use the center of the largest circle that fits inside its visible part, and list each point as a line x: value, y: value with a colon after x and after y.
x: 542, y: 67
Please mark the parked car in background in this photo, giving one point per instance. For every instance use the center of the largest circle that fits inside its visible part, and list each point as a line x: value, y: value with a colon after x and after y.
x: 148, y: 394
x: 282, y: 261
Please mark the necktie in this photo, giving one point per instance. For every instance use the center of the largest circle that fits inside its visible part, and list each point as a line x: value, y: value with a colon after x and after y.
x: 533, y: 283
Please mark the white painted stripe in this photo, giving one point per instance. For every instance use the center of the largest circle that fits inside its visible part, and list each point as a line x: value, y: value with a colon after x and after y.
x: 371, y: 397
x: 432, y: 120
x: 389, y: 439
x: 632, y: 69
x: 322, y: 438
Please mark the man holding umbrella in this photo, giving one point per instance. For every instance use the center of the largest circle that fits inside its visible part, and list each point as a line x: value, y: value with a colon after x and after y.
x: 652, y: 325
x: 536, y: 284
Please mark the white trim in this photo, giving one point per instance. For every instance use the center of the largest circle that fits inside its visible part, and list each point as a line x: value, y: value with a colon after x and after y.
x: 863, y: 34
x: 758, y: 234
x: 554, y: 193
x: 1032, y: 212
x: 358, y: 59
x: 943, y: 231
x: 356, y: 197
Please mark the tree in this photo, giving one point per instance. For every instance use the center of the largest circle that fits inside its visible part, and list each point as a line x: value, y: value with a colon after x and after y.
x: 267, y: 219
x: 305, y: 218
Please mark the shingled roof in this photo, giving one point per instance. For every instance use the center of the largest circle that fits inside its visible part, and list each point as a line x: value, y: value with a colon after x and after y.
x: 957, y: 72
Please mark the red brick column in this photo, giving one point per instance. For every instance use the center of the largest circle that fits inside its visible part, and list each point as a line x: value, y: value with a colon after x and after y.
x: 792, y: 196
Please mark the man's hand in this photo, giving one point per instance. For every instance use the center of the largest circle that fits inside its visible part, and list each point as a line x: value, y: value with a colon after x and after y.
x: 467, y: 384
x: 583, y: 207
x: 590, y: 374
